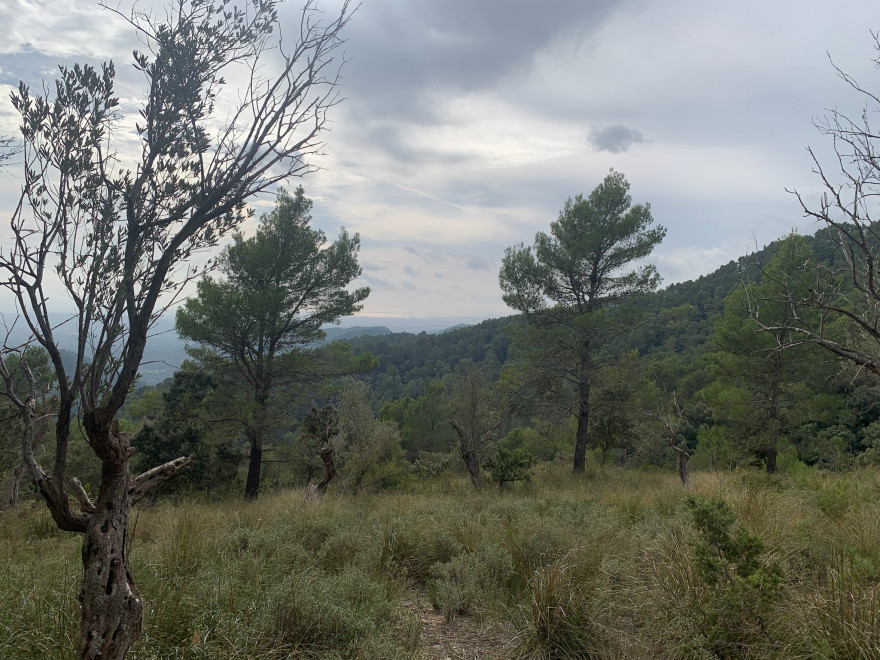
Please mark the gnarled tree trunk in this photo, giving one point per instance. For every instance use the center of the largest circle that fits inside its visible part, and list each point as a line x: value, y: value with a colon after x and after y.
x: 329, y: 470
x: 472, y: 463
x: 683, y: 471
x: 469, y: 454
x: 112, y: 610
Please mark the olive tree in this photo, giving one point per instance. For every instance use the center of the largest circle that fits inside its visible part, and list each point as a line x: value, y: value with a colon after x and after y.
x: 115, y: 231
x: 477, y: 415
x: 571, y: 284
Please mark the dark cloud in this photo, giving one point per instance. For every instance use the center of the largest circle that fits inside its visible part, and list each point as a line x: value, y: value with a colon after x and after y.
x: 404, y: 55
x: 391, y: 138
x: 409, y: 286
x: 409, y: 270
x: 616, y: 139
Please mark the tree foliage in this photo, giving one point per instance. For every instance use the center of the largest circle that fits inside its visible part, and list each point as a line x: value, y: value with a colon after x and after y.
x: 281, y: 285
x: 570, y: 285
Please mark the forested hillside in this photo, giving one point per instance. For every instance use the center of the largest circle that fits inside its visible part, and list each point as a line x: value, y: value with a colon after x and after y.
x: 687, y: 360
x: 407, y: 362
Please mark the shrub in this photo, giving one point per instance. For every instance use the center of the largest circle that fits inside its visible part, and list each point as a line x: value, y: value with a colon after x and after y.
x: 741, y: 586
x: 469, y: 580
x: 510, y: 465
x: 348, y: 615
x: 556, y: 622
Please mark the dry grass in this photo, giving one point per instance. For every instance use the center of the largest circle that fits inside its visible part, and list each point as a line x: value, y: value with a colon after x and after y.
x: 597, y: 566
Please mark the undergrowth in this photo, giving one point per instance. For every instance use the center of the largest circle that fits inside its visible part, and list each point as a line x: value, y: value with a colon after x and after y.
x: 613, y: 564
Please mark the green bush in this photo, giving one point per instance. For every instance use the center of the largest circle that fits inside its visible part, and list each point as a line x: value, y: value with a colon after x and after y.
x: 741, y: 585
x: 469, y: 580
x: 510, y: 465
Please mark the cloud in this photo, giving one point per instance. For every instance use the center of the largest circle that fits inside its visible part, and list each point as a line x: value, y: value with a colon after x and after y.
x: 377, y: 282
x: 476, y: 263
x: 616, y: 139
x: 428, y: 256
x: 429, y: 49
x: 409, y: 270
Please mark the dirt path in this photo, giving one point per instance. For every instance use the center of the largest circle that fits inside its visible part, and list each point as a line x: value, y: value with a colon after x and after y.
x: 463, y: 638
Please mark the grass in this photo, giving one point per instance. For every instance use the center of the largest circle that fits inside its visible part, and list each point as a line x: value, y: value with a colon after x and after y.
x: 596, y: 566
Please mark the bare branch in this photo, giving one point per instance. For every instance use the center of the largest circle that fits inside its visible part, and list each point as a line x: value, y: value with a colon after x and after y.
x: 140, y: 485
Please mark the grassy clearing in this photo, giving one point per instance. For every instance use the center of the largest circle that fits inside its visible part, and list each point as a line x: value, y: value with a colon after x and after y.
x: 597, y: 566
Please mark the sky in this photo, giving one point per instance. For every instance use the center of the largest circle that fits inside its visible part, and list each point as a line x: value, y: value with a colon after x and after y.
x: 466, y: 124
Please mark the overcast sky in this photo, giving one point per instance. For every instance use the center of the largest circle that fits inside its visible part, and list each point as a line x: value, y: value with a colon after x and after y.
x: 467, y: 123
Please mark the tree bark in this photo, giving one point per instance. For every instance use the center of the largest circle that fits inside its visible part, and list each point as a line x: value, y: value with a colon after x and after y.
x: 255, y: 464
x: 112, y: 610
x: 16, y: 479
x: 472, y: 463
x: 329, y: 469
x: 470, y: 456
x: 582, y: 437
x: 683, y: 471
x: 770, y: 454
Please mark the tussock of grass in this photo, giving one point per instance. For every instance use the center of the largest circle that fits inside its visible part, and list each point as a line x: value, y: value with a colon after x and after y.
x: 594, y: 566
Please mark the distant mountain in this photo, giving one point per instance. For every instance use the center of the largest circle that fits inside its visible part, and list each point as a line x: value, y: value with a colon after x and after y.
x: 165, y: 350
x: 415, y: 350
x: 413, y: 324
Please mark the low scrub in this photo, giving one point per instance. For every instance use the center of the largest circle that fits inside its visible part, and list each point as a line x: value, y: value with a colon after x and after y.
x: 616, y: 564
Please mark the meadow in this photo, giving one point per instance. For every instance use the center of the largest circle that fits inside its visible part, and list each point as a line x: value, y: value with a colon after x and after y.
x: 611, y: 564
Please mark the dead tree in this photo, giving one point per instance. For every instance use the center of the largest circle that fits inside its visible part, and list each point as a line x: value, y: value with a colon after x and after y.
x: 817, y: 300
x: 18, y: 375
x: 673, y: 423
x: 116, y: 231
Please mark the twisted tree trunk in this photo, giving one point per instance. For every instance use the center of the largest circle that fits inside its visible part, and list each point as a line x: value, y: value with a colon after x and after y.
x: 112, y: 609
x: 467, y: 448
x: 472, y: 463
x: 683, y: 471
x: 329, y: 470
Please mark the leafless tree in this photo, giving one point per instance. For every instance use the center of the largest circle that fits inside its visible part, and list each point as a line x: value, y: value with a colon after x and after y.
x: 117, y: 234
x: 673, y: 421
x: 17, y: 374
x: 838, y: 308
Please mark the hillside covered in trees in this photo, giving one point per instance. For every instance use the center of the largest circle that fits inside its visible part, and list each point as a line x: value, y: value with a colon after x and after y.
x: 686, y: 361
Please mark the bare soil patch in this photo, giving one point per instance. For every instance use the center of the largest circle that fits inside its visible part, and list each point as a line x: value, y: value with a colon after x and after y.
x: 463, y: 638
